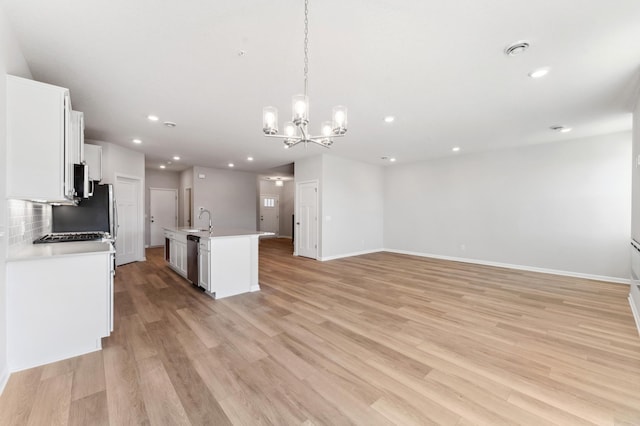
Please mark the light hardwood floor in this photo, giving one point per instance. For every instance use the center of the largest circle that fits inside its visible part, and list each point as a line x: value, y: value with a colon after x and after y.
x: 374, y: 339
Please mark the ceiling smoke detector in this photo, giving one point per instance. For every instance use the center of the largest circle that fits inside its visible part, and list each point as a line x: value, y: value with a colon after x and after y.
x: 516, y: 48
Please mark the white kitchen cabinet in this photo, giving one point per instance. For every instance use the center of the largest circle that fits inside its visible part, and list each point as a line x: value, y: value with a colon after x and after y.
x: 204, y: 265
x: 77, y: 137
x: 93, y: 158
x: 58, y: 307
x: 177, y: 250
x: 40, y: 147
x: 181, y: 257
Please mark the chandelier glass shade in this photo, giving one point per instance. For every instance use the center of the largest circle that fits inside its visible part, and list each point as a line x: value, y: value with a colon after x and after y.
x: 296, y: 131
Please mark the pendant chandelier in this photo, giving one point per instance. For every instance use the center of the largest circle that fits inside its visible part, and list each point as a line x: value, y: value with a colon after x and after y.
x: 296, y: 131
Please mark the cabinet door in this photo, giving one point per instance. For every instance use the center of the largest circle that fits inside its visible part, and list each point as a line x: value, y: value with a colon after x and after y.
x: 77, y: 137
x: 204, y: 266
x: 181, y: 257
x: 173, y: 253
x: 93, y: 158
x: 39, y: 163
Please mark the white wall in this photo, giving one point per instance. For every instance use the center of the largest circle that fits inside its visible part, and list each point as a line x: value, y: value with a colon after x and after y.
x: 352, y: 207
x: 350, y: 202
x: 229, y: 195
x: 634, y: 291
x: 558, y: 206
x: 11, y: 62
x: 157, y: 179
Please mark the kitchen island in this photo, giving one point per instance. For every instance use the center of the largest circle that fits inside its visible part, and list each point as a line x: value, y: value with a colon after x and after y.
x: 227, y: 259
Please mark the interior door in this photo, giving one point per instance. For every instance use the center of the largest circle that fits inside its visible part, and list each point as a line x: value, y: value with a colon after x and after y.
x: 129, y: 241
x: 162, y: 213
x: 307, y: 220
x: 269, y: 214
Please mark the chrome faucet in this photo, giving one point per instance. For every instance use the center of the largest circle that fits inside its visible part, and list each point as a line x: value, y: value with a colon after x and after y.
x: 202, y: 211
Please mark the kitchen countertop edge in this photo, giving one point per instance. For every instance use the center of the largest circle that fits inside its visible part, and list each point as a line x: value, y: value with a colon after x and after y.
x: 52, y: 250
x: 220, y: 233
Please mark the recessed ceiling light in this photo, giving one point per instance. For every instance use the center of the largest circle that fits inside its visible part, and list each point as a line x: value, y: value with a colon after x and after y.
x: 169, y: 124
x: 516, y: 48
x: 241, y: 53
x: 138, y: 141
x: 455, y: 149
x: 162, y: 166
x: 561, y: 129
x: 153, y: 117
x: 175, y: 157
x: 231, y: 165
x: 392, y: 159
x: 249, y: 158
x: 389, y: 119
x: 540, y: 72
x: 279, y: 183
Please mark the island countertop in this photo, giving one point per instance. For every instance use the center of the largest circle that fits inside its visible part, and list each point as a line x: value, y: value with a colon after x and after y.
x: 219, y: 232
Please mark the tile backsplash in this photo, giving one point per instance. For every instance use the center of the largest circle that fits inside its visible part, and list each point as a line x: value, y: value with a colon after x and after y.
x: 26, y: 221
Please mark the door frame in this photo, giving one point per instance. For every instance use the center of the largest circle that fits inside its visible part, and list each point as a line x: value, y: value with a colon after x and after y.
x: 175, y: 224
x: 296, y: 230
x: 140, y: 205
x: 187, y: 207
x: 260, y: 207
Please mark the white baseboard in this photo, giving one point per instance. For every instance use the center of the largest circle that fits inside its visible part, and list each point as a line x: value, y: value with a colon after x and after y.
x: 4, y: 378
x: 255, y: 287
x: 518, y: 267
x: 357, y: 253
x: 634, y: 302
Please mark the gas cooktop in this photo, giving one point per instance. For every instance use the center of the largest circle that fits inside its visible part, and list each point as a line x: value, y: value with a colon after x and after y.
x: 66, y: 237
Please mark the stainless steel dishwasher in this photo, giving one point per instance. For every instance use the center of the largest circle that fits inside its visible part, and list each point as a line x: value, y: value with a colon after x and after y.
x: 192, y: 258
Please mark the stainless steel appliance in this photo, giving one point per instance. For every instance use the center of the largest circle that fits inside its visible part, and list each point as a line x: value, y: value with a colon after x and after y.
x: 192, y: 258
x: 95, y: 214
x: 65, y: 237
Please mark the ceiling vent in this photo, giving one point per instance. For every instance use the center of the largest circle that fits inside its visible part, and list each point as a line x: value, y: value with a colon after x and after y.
x: 516, y: 48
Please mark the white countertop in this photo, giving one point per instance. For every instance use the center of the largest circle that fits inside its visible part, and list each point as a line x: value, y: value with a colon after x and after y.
x: 219, y: 232
x: 39, y: 251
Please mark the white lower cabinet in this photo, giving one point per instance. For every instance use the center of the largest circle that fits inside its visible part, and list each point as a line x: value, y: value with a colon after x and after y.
x: 58, y: 307
x: 177, y: 249
x: 204, y: 266
x: 181, y: 257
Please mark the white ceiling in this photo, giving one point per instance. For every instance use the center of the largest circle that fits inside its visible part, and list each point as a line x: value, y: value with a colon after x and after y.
x: 437, y: 66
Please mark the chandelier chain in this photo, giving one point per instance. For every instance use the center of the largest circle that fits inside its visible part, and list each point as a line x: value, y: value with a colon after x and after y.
x: 306, y: 44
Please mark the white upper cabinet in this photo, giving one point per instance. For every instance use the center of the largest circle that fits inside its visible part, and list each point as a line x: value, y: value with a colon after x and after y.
x: 93, y: 158
x: 77, y: 137
x: 39, y: 142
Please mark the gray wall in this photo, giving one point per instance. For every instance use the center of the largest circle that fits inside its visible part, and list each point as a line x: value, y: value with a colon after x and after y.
x: 11, y: 62
x: 634, y: 292
x: 352, y: 207
x: 558, y: 206
x: 230, y: 196
x: 157, y: 179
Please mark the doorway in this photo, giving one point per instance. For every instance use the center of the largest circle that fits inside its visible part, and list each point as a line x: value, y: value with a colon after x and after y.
x: 307, y: 219
x: 270, y: 214
x: 163, y: 204
x: 129, y: 243
x: 188, y: 211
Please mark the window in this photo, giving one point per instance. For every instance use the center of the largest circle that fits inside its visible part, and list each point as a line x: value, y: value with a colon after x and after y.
x: 269, y: 202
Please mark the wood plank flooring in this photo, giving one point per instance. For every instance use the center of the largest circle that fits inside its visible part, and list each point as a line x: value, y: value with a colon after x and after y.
x: 377, y: 339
